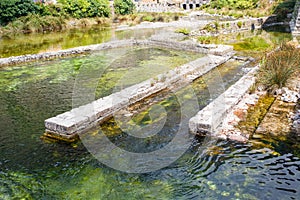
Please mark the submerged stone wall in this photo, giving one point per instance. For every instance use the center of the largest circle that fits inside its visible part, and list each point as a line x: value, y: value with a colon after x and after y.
x: 188, y: 46
x: 68, y: 125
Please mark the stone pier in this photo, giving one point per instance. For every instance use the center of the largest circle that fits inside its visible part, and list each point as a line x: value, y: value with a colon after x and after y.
x: 69, y: 125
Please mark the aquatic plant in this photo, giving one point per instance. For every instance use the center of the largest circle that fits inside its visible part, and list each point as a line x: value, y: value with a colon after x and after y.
x: 255, y: 43
x: 255, y: 115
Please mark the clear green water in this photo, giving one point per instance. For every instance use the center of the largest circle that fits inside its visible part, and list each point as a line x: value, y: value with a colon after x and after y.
x: 15, y: 45
x: 30, y: 168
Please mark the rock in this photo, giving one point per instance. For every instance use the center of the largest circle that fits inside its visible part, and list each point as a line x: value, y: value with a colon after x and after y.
x: 237, y: 137
x: 289, y: 96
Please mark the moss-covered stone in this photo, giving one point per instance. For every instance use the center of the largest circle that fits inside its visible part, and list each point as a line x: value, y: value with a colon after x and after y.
x: 255, y: 115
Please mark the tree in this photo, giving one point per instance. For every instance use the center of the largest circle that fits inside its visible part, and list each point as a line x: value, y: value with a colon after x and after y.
x: 13, y: 9
x: 124, y: 7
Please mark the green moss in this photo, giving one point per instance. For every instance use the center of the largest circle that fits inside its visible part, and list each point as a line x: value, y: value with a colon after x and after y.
x: 255, y: 43
x: 255, y: 114
x: 184, y: 31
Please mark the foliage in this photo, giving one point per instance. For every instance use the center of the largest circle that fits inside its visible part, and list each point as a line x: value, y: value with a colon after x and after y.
x: 278, y: 66
x: 86, y: 8
x: 255, y: 43
x: 239, y: 24
x: 13, y: 9
x: 241, y: 8
x: 210, y: 27
x: 283, y: 9
x: 255, y: 114
x: 148, y: 18
x: 204, y: 39
x: 184, y: 31
x: 50, y: 9
x: 241, y: 4
x: 124, y: 7
x: 36, y: 23
x: 98, y: 8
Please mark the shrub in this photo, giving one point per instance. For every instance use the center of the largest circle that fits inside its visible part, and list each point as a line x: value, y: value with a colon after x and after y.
x: 241, y: 4
x: 204, y: 39
x: 148, y: 18
x: 36, y: 23
x: 13, y: 9
x: 98, y: 8
x: 50, y: 9
x: 86, y: 8
x: 124, y: 7
x: 210, y: 28
x: 283, y: 9
x: 184, y: 31
x: 278, y: 66
x: 75, y: 8
x: 239, y: 24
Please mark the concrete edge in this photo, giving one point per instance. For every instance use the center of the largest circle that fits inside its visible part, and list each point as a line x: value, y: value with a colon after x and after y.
x: 207, y: 120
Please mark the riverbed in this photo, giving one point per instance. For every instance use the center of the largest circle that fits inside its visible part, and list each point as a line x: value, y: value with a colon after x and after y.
x: 31, y: 168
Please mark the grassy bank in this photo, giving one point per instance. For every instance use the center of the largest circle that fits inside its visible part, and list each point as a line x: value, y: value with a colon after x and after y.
x: 35, y: 23
x: 250, y: 8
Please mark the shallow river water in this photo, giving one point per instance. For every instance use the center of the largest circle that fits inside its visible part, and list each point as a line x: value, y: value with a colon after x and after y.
x: 32, y: 168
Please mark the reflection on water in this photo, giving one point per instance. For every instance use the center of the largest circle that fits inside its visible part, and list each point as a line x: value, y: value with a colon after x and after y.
x: 35, y: 169
x: 15, y: 45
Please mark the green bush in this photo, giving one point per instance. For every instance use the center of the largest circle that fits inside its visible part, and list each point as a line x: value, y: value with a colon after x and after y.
x: 86, y: 8
x: 239, y: 24
x: 50, y: 9
x: 148, y: 18
x: 124, y: 7
x: 98, y: 8
x: 184, y: 31
x: 283, y: 9
x: 241, y: 4
x: 204, y: 39
x: 13, y: 9
x: 36, y: 23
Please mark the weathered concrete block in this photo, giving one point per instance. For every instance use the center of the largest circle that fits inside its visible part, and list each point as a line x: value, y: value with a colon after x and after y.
x: 209, y: 118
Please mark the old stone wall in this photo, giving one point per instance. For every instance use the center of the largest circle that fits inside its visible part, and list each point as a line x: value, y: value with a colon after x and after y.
x: 69, y: 124
x: 211, y: 117
x: 188, y: 46
x: 295, y: 22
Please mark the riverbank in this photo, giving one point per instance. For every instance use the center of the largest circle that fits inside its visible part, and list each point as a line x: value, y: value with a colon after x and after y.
x: 261, y: 113
x: 44, y: 24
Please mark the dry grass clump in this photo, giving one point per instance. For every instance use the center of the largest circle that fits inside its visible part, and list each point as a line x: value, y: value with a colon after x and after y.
x: 278, y: 66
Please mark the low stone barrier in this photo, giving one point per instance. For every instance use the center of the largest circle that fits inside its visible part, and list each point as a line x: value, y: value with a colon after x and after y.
x: 68, y: 125
x: 209, y: 118
x: 188, y: 46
